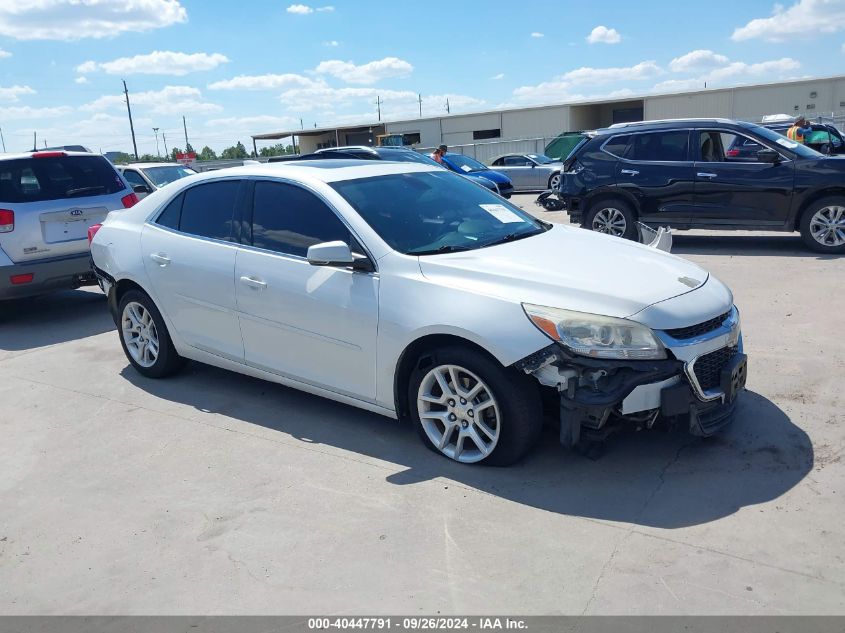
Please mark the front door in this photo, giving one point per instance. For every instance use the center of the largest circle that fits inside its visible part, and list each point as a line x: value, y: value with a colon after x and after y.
x: 317, y: 324
x: 657, y: 171
x: 736, y: 188
x: 189, y: 257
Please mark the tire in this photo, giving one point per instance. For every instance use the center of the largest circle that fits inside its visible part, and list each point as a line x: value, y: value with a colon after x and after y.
x: 139, y: 318
x: 823, y: 225
x: 554, y: 181
x: 508, y: 425
x: 613, y: 217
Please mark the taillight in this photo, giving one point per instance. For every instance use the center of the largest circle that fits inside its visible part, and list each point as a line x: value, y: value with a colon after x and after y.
x: 21, y: 279
x: 732, y: 152
x: 7, y: 221
x: 92, y: 231
x: 130, y: 200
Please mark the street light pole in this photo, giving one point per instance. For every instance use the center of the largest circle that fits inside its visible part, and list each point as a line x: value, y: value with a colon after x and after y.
x: 155, y: 129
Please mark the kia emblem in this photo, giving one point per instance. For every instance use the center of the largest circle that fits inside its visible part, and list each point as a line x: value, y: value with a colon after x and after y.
x: 76, y: 212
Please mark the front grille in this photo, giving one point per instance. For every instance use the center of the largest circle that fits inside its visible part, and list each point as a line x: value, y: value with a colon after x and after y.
x: 708, y: 368
x: 699, y: 328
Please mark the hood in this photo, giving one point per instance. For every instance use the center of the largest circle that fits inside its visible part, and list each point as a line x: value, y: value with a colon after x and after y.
x: 576, y: 269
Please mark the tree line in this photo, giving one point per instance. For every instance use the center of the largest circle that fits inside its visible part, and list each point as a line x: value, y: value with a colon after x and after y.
x: 236, y: 151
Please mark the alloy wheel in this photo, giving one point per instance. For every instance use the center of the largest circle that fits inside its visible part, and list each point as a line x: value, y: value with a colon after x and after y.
x: 554, y: 183
x: 827, y: 226
x: 139, y: 333
x: 458, y: 413
x: 611, y: 221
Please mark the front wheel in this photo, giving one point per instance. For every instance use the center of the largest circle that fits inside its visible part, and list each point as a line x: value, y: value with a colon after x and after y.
x: 144, y: 337
x: 612, y: 217
x: 554, y: 182
x: 469, y: 408
x: 823, y: 226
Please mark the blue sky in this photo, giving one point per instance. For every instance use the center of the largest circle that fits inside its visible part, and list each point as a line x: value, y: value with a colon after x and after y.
x: 235, y: 68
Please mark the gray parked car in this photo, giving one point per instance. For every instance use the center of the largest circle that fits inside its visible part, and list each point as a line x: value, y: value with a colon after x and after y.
x: 48, y: 200
x: 529, y: 172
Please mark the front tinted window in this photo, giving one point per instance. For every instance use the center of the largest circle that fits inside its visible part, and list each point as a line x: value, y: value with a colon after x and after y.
x: 57, y: 177
x: 517, y: 161
x: 209, y: 208
x: 133, y: 177
x: 429, y: 212
x: 288, y: 219
x: 659, y: 146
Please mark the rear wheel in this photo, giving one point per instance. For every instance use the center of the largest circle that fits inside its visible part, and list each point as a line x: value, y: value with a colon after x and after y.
x: 613, y: 217
x: 554, y: 182
x: 144, y: 337
x: 823, y: 225
x: 469, y: 408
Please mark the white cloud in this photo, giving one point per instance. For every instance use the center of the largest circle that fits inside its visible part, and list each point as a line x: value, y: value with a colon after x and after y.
x: 13, y: 93
x: 546, y: 91
x: 732, y: 73
x: 300, y: 9
x: 805, y: 18
x: 680, y: 85
x: 78, y: 19
x: 157, y: 63
x: 82, y: 79
x: 28, y: 113
x: 168, y: 100
x: 4, y: 54
x: 497, y: 77
x: 537, y: 34
x: 586, y: 75
x: 698, y: 61
x: 331, y: 43
x: 327, y: 9
x: 604, y: 35
x: 265, y: 82
x: 368, y: 73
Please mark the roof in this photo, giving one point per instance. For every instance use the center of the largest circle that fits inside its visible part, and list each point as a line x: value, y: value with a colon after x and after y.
x: 327, y: 170
x: 666, y: 123
x: 18, y: 156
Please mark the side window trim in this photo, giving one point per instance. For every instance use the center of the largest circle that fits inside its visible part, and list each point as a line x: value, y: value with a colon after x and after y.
x: 763, y: 142
x: 249, y: 213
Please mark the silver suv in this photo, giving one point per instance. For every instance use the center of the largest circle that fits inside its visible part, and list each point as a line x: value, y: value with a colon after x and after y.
x: 48, y: 200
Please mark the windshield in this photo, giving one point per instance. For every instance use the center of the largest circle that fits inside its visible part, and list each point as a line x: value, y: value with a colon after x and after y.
x: 465, y: 163
x: 165, y: 175
x: 404, y: 156
x: 782, y: 141
x: 542, y: 159
x: 424, y: 213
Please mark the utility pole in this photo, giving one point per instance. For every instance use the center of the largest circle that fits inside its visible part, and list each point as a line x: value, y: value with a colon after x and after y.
x: 301, y: 125
x: 448, y: 109
x: 164, y: 138
x: 131, y: 125
x: 34, y: 140
x: 378, y: 105
x: 2, y: 139
x: 155, y: 129
x: 185, y: 125
x: 419, y: 98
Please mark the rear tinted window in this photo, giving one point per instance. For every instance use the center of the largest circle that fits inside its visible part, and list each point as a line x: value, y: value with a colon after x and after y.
x: 618, y: 145
x: 54, y: 178
x: 208, y: 209
x: 659, y: 146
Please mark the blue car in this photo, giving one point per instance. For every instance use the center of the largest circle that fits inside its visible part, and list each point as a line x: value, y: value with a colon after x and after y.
x: 474, y: 170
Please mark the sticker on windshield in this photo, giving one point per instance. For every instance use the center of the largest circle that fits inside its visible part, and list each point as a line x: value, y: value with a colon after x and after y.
x: 466, y: 168
x: 787, y: 143
x: 501, y: 213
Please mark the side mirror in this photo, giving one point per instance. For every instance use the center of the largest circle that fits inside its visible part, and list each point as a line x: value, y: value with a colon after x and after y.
x: 330, y: 254
x: 767, y: 155
x: 141, y: 189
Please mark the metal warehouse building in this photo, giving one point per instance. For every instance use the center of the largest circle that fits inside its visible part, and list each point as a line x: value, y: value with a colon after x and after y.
x: 529, y: 129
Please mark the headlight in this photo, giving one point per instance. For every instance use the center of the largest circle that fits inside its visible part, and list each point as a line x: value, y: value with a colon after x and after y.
x: 596, y: 336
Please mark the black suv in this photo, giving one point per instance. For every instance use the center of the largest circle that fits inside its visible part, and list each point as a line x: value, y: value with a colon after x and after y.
x: 681, y: 173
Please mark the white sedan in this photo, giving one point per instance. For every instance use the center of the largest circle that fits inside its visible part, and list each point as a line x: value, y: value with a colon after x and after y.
x: 412, y: 292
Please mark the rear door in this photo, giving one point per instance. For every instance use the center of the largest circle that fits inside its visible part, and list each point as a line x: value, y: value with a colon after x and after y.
x: 55, y: 198
x: 520, y: 170
x: 189, y: 256
x: 657, y: 170
x: 738, y: 189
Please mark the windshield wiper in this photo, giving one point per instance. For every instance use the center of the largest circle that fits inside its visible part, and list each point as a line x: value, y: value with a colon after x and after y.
x: 512, y: 237
x: 449, y: 248
x: 80, y: 190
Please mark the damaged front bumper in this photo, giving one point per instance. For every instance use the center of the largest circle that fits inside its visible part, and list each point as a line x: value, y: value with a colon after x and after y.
x: 696, y: 386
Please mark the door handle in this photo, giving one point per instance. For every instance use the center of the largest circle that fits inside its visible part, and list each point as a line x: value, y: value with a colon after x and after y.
x: 704, y: 174
x: 160, y: 258
x: 252, y: 282
x: 630, y: 172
